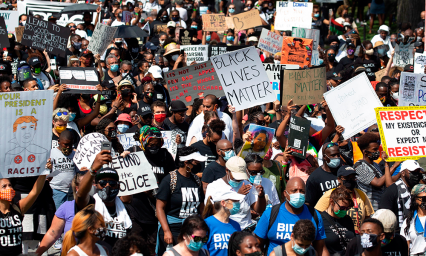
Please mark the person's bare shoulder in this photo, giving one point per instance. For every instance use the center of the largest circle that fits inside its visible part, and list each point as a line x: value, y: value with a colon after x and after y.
x: 73, y: 253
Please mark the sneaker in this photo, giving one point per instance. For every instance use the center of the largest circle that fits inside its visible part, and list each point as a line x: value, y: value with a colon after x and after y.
x: 58, y: 244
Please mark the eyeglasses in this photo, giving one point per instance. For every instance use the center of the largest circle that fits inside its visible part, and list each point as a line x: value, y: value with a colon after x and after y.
x: 73, y: 26
x: 62, y: 113
x: 342, y: 208
x: 254, y: 173
x: 112, y: 183
x: 331, y: 144
x: 198, y: 239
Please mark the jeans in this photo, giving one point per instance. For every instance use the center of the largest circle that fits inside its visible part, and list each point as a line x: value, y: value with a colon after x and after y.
x: 59, y: 197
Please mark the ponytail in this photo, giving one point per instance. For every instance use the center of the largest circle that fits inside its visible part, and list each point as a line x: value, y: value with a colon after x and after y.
x: 211, y: 208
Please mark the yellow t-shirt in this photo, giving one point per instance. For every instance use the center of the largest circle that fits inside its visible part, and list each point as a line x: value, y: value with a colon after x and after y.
x: 365, y: 208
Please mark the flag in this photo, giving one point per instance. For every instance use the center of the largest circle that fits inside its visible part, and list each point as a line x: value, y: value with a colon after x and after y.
x: 336, y: 27
x: 146, y: 28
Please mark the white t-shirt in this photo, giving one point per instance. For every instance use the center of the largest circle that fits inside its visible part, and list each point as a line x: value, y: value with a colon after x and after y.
x: 270, y: 190
x: 243, y: 216
x: 63, y: 170
x: 148, y: 7
x: 417, y: 240
x: 183, y: 13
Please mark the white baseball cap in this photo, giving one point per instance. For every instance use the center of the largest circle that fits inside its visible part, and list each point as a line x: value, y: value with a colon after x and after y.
x: 410, y: 165
x: 384, y: 28
x: 387, y: 218
x: 238, y: 167
x: 227, y: 195
x: 155, y: 71
x: 171, y: 24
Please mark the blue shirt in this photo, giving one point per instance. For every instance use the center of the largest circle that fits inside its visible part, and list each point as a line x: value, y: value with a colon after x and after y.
x: 280, y: 231
x: 219, y: 235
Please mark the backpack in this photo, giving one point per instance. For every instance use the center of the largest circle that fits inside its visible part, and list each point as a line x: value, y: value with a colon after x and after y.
x: 173, y: 180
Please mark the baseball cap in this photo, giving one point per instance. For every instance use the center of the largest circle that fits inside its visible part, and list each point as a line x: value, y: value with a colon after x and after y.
x: 409, y: 68
x: 252, y: 39
x: 86, y: 53
x: 155, y: 71
x: 178, y: 106
x: 227, y: 195
x: 107, y: 172
x: 384, y: 28
x: 34, y: 61
x: 345, y: 170
x: 22, y: 63
x: 171, y: 24
x: 387, y: 218
x: 237, y: 166
x: 144, y: 112
x: 193, y: 156
x: 410, y: 165
x: 333, y: 75
x: 123, y: 83
x: 350, y: 44
x: 124, y: 117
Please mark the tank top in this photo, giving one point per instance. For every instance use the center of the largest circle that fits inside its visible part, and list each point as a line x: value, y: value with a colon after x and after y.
x: 11, y: 231
x: 81, y: 253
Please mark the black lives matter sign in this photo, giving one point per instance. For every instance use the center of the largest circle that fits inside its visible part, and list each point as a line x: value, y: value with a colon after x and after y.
x: 41, y: 35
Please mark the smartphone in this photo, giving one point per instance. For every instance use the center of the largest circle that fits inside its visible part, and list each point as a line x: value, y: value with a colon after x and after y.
x: 182, y: 52
x: 106, y: 145
x: 330, y: 11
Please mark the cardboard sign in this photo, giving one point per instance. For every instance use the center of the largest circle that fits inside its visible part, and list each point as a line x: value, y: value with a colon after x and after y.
x: 160, y: 28
x: 270, y: 41
x: 313, y: 34
x: 293, y: 14
x: 262, y: 140
x: 11, y: 18
x: 135, y: 174
x: 196, y: 81
x: 352, y: 104
x: 87, y: 149
x: 26, y: 133
x: 243, y: 78
x: 403, y: 55
x: 402, y: 132
x: 197, y: 53
x: 19, y: 31
x: 186, y: 35
x: 419, y: 63
x: 412, y: 89
x: 229, y: 22
x: 295, y: 51
x: 214, y: 22
x: 101, y: 38
x: 380, y: 74
x: 127, y: 17
x: 246, y: 20
x: 219, y: 50
x: 304, y: 86
x: 80, y: 80
x: 273, y: 72
x: 40, y: 34
x: 298, y: 136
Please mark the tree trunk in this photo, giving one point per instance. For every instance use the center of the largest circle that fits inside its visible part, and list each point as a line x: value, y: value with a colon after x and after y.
x: 409, y: 11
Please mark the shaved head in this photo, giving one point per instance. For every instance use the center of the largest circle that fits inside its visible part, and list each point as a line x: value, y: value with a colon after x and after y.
x: 66, y: 135
x: 223, y: 144
x: 295, y: 182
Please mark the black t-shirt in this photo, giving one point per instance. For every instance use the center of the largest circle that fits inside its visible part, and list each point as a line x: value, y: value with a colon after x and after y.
x: 142, y: 208
x: 55, y: 139
x: 144, y: 106
x: 11, y: 232
x: 389, y: 200
x: 212, y: 172
x: 398, y: 247
x: 185, y: 199
x: 343, y: 62
x: 206, y: 150
x: 371, y: 66
x: 161, y: 93
x: 318, y: 183
x: 339, y: 232
x: 181, y: 129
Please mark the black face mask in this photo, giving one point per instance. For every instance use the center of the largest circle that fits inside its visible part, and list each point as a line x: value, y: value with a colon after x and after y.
x: 420, y: 50
x: 334, y: 47
x: 108, y: 194
x: 369, y: 244
x: 331, y: 58
x: 100, y: 233
x: 165, y: 18
x: 152, y: 150
x: 413, y: 179
x: 148, y: 95
x: 374, y: 155
x: 125, y: 92
x: 118, y: 44
x: 349, y: 184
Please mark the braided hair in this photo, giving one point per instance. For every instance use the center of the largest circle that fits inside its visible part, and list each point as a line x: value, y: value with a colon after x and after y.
x: 235, y: 241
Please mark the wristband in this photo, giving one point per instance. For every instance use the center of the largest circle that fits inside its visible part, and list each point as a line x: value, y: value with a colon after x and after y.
x: 92, y: 172
x: 194, y: 10
x: 225, y: 34
x: 220, y: 12
x: 286, y: 163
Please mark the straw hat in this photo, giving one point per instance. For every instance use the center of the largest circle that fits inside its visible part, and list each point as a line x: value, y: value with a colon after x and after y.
x: 377, y: 44
x: 171, y: 48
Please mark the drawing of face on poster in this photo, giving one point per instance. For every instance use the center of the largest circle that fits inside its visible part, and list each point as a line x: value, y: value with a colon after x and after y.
x: 260, y: 143
x: 24, y: 132
x: 260, y: 139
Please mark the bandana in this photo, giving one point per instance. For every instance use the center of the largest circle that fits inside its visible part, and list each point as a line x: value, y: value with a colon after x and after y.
x: 268, y: 154
x: 7, y: 194
x: 148, y: 132
x: 417, y: 189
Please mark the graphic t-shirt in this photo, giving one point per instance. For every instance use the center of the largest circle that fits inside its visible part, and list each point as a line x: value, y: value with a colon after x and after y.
x: 181, y: 129
x: 318, y: 183
x: 282, y: 228
x: 63, y: 170
x: 339, y: 233
x: 398, y: 247
x: 11, y: 232
x: 115, y: 230
x: 212, y: 172
x: 209, y: 151
x: 219, y: 235
x: 185, y: 199
x: 366, y: 173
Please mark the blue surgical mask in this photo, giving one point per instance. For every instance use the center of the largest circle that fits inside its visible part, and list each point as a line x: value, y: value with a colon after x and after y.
x: 334, y: 162
x: 228, y: 154
x: 230, y: 38
x: 72, y: 117
x: 89, y: 32
x: 299, y: 250
x: 175, y: 19
x: 194, y: 26
x: 235, y: 208
x: 114, y: 68
x: 230, y: 10
x: 381, y: 51
x: 208, y: 37
x: 316, y: 15
x: 194, y: 246
x: 122, y: 128
x: 296, y: 200
x: 251, y: 178
x: 234, y: 184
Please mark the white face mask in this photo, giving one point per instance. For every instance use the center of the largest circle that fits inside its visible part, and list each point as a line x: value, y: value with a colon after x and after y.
x: 162, y: 42
x: 137, y: 254
x: 23, y: 22
x: 277, y: 62
x: 395, y: 95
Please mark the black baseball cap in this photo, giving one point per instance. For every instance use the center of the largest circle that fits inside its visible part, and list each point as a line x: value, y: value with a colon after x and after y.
x: 34, y: 61
x: 107, y: 172
x: 345, y: 170
x: 144, y: 112
x: 409, y: 68
x: 333, y: 75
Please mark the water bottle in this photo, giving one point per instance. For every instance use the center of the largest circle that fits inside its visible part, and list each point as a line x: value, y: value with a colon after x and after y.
x: 257, y: 181
x: 169, y: 247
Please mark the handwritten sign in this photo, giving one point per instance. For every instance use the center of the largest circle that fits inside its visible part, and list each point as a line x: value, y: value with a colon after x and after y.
x: 293, y: 14
x: 40, y: 34
x: 197, y: 53
x: 419, y: 63
x: 273, y: 72
x: 101, y: 38
x: 403, y: 55
x: 246, y: 20
x: 412, y: 89
x: 127, y: 17
x: 11, y: 18
x: 298, y: 136
x: 214, y: 22
x: 270, y: 41
x: 313, y: 34
x: 26, y: 133
x: 4, y: 40
x: 296, y: 51
x: 229, y: 22
x: 379, y: 74
x: 402, y: 132
x: 352, y: 104
x: 218, y: 50
x: 80, y: 80
x: 243, y: 78
x: 196, y: 81
x: 135, y: 174
x: 87, y: 149
x: 305, y: 86
x: 19, y: 31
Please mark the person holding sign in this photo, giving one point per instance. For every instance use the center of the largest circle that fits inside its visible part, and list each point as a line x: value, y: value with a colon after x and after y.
x: 179, y: 196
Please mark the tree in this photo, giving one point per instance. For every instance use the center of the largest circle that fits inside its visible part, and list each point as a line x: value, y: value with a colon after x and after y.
x: 409, y: 11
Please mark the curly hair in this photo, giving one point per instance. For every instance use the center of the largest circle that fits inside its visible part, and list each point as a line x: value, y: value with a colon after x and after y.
x: 342, y: 194
x: 122, y: 246
x: 216, y: 126
x: 304, y: 230
x: 367, y: 138
x: 185, y: 151
x: 68, y: 100
x: 209, y: 115
x: 236, y: 240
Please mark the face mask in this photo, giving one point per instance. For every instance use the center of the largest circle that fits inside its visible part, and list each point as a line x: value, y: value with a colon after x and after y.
x: 374, y: 155
x: 254, y: 254
x: 331, y: 58
x: 195, y: 246
x: 77, y: 46
x: 228, y: 155
x: 423, y: 206
x: 349, y: 184
x: 277, y: 62
x: 248, y: 7
x: 100, y: 233
x: 124, y: 74
x: 120, y: 15
x: 175, y: 19
x: 235, y: 208
x: 299, y: 250
x: 381, y: 52
x: 175, y: 57
x: 108, y: 194
x: 162, y: 42
x: 334, y: 162
x: 369, y: 241
x: 153, y: 150
x: 393, y: 44
x: 335, y: 47
x: 383, y: 99
x: 164, y: 18
x: 316, y: 15
x: 114, y: 68
x: 350, y: 51
x: 194, y: 26
x: 159, y: 118
x: 89, y: 32
x: 122, y: 128
x: 60, y: 129
x: 413, y: 179
x: 147, y: 95
x: 118, y: 44
x: 369, y: 52
x: 7, y: 194
x: 37, y: 70
x: 234, y: 184
x: 340, y: 213
x: 296, y: 199
x: 208, y: 37
x: 231, y: 10
x: 395, y: 96
x: 66, y: 151
x: 125, y: 92
x: 23, y: 22
x: 251, y: 178
x: 386, y: 241
x: 112, y: 134
x: 230, y: 38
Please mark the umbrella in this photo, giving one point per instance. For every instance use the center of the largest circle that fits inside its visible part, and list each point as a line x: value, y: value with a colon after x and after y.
x: 130, y: 32
x: 81, y: 8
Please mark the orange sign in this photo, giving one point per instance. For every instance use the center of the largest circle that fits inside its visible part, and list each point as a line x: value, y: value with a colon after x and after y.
x: 296, y: 51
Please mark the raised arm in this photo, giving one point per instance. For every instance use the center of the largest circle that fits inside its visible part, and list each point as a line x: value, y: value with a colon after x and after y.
x: 87, y: 119
x: 281, y: 129
x: 26, y: 203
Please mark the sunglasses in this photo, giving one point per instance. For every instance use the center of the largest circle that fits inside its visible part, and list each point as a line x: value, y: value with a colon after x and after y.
x: 62, y: 113
x: 422, y: 198
x: 331, y: 54
x: 342, y: 208
x: 329, y: 145
x: 198, y: 239
x: 254, y: 173
x: 112, y: 183
x: 73, y: 26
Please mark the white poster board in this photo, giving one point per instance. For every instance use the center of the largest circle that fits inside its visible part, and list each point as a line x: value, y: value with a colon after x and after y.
x: 412, y: 89
x: 270, y: 41
x: 197, y: 53
x: 243, y: 78
x: 101, y: 38
x: 26, y: 134
x: 293, y: 14
x: 87, y: 149
x: 127, y: 140
x: 352, y: 104
x: 135, y: 174
x: 11, y: 18
x: 403, y: 55
x: 273, y: 73
x: 313, y: 34
x: 419, y: 63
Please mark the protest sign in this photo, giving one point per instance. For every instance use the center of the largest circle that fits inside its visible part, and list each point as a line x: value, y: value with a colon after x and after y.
x: 160, y: 28
x: 127, y: 140
x: 403, y: 55
x: 135, y: 174
x: 87, y: 149
x: 243, y: 78
x: 270, y: 41
x: 273, y: 73
x: 80, y: 80
x: 101, y: 38
x: 246, y: 20
x: 379, y: 74
x: 304, y: 86
x: 296, y: 51
x: 127, y: 17
x: 298, y: 136
x: 4, y: 39
x: 26, y: 133
x: 313, y: 34
x: 186, y: 35
x: 293, y: 14
x: 419, y: 63
x: 191, y: 82
x: 40, y: 35
x: 402, y: 132
x: 262, y: 140
x: 214, y: 22
x: 218, y: 50
x: 229, y: 22
x: 412, y: 89
x: 352, y: 104
x: 315, y: 59
x: 19, y: 31
x: 197, y: 53
x: 11, y: 18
